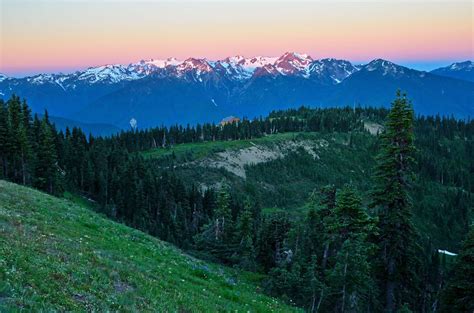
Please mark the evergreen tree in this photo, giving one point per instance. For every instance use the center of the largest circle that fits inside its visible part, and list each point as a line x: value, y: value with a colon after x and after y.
x: 26, y: 114
x: 17, y: 139
x: 4, y: 140
x: 271, y: 237
x: 245, y: 222
x: 350, y: 219
x: 245, y: 228
x: 459, y: 293
x: 397, y: 237
x: 217, y: 237
x: 351, y: 277
x: 313, y: 288
x: 46, y: 171
x: 25, y: 152
x: 209, y: 203
x: 223, y: 215
x: 323, y: 203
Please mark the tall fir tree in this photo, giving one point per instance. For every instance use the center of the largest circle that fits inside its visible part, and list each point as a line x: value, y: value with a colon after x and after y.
x: 245, y: 231
x: 16, y: 138
x: 397, y: 235
x: 312, y: 287
x: 351, y: 277
x: 350, y: 218
x: 26, y: 153
x: 46, y: 167
x: 223, y: 215
x: 459, y: 293
x: 4, y: 140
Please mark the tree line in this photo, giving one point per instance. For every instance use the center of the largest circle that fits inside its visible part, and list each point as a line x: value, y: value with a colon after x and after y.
x: 347, y: 255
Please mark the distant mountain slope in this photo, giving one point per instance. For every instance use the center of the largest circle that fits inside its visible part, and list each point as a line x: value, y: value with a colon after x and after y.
x: 461, y: 70
x: 431, y: 94
x: 58, y: 256
x: 61, y: 96
x: 185, y: 101
x: 95, y: 129
x: 154, y: 101
x: 195, y: 90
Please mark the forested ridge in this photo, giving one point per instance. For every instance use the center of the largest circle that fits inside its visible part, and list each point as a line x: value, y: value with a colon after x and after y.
x: 352, y: 252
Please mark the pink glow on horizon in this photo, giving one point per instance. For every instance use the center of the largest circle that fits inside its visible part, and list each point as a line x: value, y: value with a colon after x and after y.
x: 56, y: 36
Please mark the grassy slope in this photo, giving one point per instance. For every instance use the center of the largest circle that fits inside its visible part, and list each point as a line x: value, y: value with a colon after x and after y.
x: 56, y: 254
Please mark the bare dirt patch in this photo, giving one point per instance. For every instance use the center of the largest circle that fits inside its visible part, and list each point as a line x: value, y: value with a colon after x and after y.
x: 235, y: 161
x: 373, y: 128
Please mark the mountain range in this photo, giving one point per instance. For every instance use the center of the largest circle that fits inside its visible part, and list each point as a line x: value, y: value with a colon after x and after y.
x: 170, y: 91
x: 460, y: 70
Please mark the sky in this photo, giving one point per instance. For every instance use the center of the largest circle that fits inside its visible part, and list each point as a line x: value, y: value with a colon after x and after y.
x: 46, y: 36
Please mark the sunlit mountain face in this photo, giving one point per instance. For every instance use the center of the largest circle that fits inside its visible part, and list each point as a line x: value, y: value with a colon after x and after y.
x: 235, y: 68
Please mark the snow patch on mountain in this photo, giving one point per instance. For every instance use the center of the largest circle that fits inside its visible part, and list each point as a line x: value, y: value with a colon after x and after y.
x: 251, y: 64
x: 60, y: 85
x: 232, y: 70
x: 266, y: 70
x: 241, y: 68
x: 152, y: 66
x: 133, y: 123
x: 110, y: 73
x: 294, y: 63
x: 461, y: 66
x: 195, y: 66
x: 459, y: 70
x: 387, y: 67
x: 447, y: 252
x: 336, y: 70
x: 164, y: 63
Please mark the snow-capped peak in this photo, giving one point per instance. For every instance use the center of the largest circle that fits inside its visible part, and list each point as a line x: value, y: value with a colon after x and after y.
x: 377, y: 63
x: 258, y: 61
x: 240, y: 68
x: 336, y: 70
x: 110, y: 73
x: 386, y: 66
x: 460, y: 66
x: 3, y: 77
x: 193, y: 64
x: 147, y: 67
x: 267, y: 69
x: 295, y: 56
x: 291, y: 63
x: 41, y: 78
x: 237, y: 59
x: 231, y: 67
x: 163, y: 63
